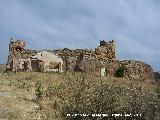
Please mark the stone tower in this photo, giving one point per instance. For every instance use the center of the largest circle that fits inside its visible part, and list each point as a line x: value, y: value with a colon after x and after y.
x: 106, y: 51
x: 14, y: 53
x: 16, y: 61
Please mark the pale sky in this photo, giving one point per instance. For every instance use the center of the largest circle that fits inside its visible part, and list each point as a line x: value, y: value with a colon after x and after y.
x: 52, y: 24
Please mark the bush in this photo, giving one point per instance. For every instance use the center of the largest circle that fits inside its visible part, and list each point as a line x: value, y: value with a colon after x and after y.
x: 80, y: 95
x: 158, y: 90
x: 39, y: 91
x: 2, y: 68
x: 120, y: 72
x: 157, y: 77
x: 40, y: 68
x: 79, y: 98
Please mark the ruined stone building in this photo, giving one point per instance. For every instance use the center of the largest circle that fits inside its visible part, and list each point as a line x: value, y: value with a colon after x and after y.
x: 21, y: 59
x: 104, y: 56
x: 77, y: 60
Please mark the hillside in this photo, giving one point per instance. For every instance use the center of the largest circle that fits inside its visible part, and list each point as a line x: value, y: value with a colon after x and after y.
x: 34, y: 95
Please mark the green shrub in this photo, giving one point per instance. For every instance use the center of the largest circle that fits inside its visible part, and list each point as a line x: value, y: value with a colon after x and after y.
x: 120, y: 72
x: 158, y: 90
x: 40, y: 68
x: 157, y: 77
x: 2, y: 68
x: 39, y: 91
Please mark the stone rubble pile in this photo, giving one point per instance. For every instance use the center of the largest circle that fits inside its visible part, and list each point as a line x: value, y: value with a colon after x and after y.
x: 137, y: 70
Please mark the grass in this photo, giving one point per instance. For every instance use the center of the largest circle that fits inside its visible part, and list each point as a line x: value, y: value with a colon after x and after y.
x: 2, y: 68
x: 35, y: 95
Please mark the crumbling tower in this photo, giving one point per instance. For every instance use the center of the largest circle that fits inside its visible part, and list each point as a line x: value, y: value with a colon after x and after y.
x: 106, y: 51
x: 19, y: 58
x: 15, y: 48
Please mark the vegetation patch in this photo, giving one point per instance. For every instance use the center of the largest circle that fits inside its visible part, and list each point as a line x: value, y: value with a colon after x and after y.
x: 120, y: 72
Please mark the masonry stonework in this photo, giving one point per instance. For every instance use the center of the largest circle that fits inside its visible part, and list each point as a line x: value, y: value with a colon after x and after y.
x: 87, y: 60
x: 19, y: 57
x: 106, y: 52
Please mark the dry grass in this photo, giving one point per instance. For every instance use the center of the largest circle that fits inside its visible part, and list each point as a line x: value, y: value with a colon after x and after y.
x: 36, y: 96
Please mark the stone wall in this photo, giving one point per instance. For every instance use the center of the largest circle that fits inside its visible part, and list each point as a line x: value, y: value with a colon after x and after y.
x: 137, y: 70
x: 133, y: 70
x: 104, y: 53
x: 71, y: 57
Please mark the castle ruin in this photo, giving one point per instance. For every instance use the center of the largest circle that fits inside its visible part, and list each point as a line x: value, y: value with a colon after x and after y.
x: 21, y: 59
x: 104, y: 56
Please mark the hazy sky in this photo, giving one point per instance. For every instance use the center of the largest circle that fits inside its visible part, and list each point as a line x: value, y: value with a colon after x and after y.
x: 51, y: 24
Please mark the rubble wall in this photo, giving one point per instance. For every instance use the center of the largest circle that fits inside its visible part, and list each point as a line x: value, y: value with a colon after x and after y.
x: 137, y: 70
x: 104, y: 53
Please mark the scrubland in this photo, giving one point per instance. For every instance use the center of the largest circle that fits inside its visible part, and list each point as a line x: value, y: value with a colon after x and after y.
x: 51, y: 96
